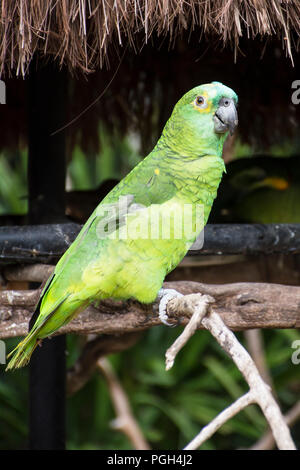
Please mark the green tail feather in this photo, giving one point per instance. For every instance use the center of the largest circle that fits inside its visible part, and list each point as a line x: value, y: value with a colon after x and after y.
x: 22, y: 353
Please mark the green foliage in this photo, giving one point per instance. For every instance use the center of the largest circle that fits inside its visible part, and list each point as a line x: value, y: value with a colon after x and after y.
x: 13, y: 406
x: 171, y: 407
x: 284, y: 149
x: 116, y: 158
x: 13, y: 187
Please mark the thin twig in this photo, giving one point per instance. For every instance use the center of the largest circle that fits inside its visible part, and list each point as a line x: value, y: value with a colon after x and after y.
x: 219, y: 420
x: 125, y: 421
x: 200, y: 305
x: 256, y: 349
x: 95, y: 348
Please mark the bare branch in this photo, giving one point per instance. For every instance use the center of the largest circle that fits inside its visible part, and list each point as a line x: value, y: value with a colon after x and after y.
x: 219, y: 420
x: 93, y: 350
x: 200, y: 304
x: 125, y: 421
x: 267, y: 442
x: 259, y: 390
x: 245, y: 364
x: 256, y: 349
x: 242, y: 306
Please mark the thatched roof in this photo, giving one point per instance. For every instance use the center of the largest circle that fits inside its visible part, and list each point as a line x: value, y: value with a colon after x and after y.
x: 81, y: 33
x: 141, y: 89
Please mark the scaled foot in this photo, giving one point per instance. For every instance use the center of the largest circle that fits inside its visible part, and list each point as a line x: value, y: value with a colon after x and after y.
x: 164, y: 296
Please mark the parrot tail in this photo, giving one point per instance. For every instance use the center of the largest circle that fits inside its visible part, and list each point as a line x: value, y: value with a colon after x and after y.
x: 22, y: 353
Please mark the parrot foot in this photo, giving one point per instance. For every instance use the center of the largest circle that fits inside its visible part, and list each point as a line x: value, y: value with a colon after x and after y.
x: 164, y: 296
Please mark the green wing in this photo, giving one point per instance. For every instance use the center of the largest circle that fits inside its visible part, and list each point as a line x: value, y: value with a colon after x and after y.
x: 143, y: 189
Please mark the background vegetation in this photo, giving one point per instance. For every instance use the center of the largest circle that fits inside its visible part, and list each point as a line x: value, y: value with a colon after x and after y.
x: 170, y: 407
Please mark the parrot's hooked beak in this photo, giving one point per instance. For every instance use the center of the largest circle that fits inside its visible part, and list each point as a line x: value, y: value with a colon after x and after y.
x: 225, y: 118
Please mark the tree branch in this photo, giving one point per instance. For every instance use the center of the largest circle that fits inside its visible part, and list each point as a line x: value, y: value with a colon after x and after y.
x: 255, y: 346
x: 124, y: 421
x: 221, y: 419
x: 200, y: 305
x: 259, y: 391
x: 242, y: 306
x: 93, y: 350
x: 245, y: 364
x: 267, y: 442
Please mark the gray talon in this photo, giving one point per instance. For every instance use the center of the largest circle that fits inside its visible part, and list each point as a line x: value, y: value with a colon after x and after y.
x: 164, y: 296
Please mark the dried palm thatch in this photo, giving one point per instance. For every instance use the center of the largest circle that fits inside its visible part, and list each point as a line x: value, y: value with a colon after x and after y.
x: 84, y: 34
x: 142, y: 94
x: 80, y: 33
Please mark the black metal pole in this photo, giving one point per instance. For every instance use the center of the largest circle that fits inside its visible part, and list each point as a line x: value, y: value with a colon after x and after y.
x: 46, y: 181
x: 29, y: 244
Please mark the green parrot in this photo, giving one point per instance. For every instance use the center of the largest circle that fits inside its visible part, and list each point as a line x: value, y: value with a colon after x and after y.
x: 260, y: 189
x: 116, y: 254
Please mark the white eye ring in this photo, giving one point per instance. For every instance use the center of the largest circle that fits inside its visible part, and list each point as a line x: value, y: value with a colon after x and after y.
x: 200, y: 102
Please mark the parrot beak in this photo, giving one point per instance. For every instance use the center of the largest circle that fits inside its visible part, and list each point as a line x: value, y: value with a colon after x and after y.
x: 225, y: 118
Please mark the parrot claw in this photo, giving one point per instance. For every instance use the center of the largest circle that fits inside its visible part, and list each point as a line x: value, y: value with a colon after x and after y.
x: 164, y: 296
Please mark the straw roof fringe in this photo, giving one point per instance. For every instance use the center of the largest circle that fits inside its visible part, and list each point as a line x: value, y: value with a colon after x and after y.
x: 80, y: 33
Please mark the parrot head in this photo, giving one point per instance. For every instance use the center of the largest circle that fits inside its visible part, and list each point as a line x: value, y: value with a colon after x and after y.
x: 202, y: 119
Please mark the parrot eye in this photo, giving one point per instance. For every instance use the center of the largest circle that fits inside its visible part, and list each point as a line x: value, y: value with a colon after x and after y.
x: 200, y: 101
x: 225, y: 102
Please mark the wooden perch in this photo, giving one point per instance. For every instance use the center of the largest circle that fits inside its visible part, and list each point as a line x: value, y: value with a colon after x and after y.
x: 242, y: 306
